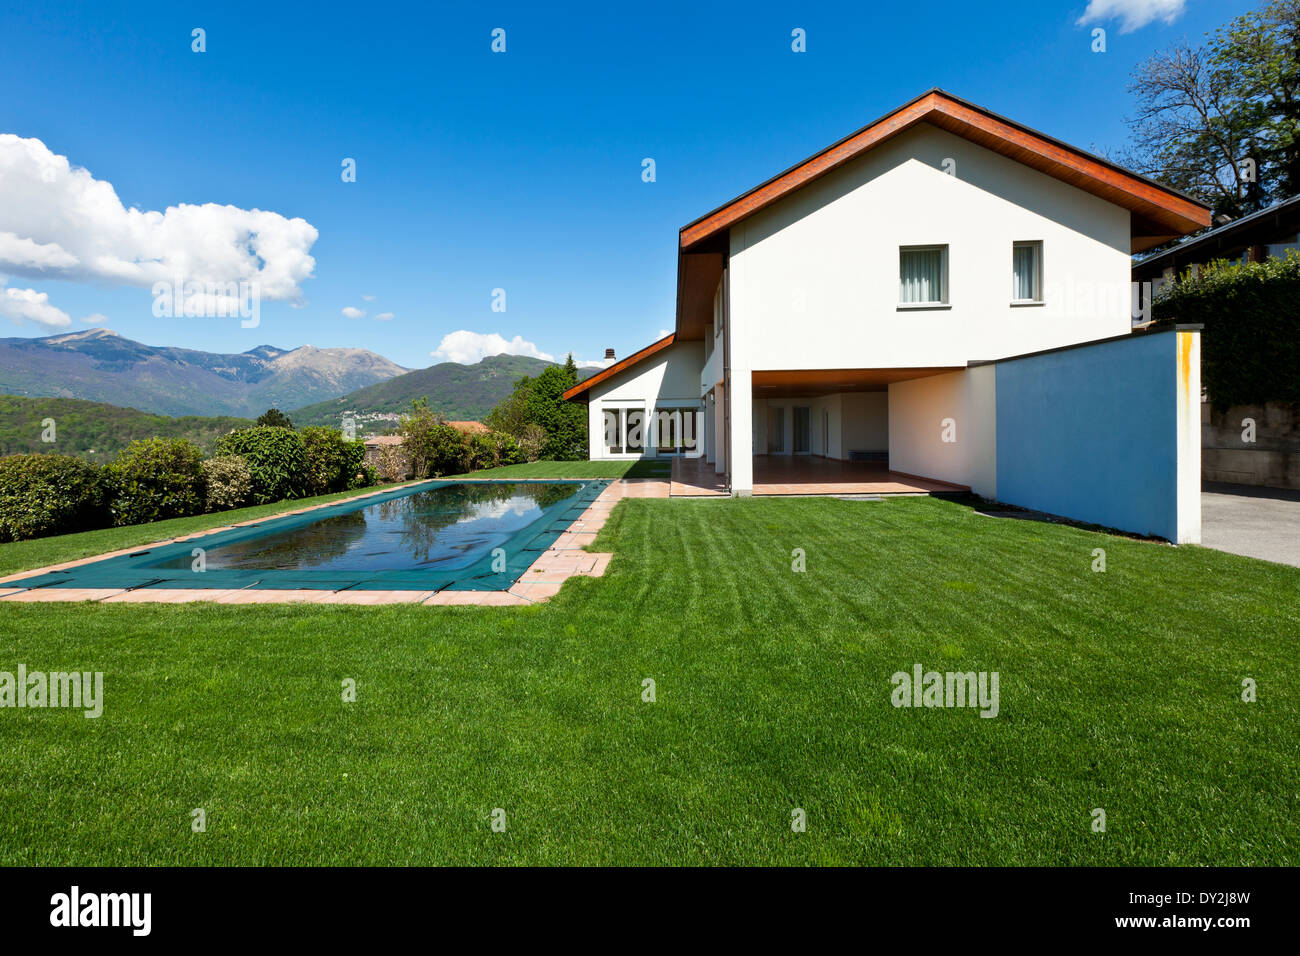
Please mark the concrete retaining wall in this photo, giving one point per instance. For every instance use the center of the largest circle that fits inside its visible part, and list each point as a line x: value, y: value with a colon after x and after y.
x: 1271, y: 460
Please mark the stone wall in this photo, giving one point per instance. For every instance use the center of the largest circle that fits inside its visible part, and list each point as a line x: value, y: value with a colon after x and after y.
x: 1271, y: 460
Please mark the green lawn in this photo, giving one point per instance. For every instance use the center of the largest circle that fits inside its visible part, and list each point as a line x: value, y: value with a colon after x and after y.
x: 1118, y: 690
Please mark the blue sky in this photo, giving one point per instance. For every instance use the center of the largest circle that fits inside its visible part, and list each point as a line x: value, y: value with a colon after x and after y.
x: 478, y: 170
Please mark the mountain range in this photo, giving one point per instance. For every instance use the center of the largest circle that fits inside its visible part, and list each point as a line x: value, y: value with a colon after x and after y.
x: 457, y: 392
x: 314, y: 386
x: 101, y: 366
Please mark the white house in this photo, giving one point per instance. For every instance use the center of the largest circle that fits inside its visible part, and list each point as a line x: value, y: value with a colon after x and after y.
x: 908, y: 304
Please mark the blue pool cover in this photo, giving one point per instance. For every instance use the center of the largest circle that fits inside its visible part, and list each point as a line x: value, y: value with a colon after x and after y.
x: 401, y: 553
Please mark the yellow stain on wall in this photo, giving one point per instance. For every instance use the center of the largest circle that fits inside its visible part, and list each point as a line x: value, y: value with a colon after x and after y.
x: 1184, y: 347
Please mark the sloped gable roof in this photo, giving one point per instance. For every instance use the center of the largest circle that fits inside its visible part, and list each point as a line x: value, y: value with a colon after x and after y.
x: 608, y: 373
x: 1159, y: 212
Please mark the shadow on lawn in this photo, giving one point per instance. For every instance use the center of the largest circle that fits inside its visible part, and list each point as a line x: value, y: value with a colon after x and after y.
x: 998, y: 509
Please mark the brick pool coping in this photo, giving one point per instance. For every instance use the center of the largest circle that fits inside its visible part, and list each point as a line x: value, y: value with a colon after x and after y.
x: 566, y: 558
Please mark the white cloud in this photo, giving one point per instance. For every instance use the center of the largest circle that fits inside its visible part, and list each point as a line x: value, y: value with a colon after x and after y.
x: 58, y: 222
x: 594, y: 363
x: 96, y: 318
x: 1132, y: 14
x: 354, y: 313
x: 384, y: 316
x: 467, y: 348
x: 664, y: 333
x: 28, y: 305
x: 20, y: 253
x: 368, y: 298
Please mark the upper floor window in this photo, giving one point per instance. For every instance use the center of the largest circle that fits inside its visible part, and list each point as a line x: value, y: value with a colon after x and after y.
x: 923, y: 275
x: 1027, y: 271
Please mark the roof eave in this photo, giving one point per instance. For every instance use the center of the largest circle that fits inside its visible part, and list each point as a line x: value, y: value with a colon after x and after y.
x: 579, y: 391
x: 1185, y: 212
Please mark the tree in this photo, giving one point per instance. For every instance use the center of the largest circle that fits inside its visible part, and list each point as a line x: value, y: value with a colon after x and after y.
x: 565, y: 423
x: 274, y: 418
x: 1194, y: 129
x: 537, y: 415
x: 433, y: 447
x: 1263, y: 48
x: 511, y: 414
x: 1220, y: 121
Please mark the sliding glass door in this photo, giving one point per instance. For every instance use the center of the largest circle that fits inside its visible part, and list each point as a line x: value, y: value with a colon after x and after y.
x: 624, y: 431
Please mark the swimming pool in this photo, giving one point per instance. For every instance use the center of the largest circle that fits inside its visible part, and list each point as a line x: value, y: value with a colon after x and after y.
x: 439, y: 535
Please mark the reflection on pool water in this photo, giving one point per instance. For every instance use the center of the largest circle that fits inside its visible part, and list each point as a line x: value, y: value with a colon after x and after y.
x: 444, y: 528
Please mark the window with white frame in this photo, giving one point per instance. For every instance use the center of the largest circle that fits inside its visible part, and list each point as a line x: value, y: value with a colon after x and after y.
x: 624, y: 430
x: 677, y: 428
x: 923, y: 275
x: 615, y: 425
x: 1027, y: 271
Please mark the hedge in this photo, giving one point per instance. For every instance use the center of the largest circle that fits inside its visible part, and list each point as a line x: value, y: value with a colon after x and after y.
x: 51, y: 494
x: 157, y: 478
x: 275, y: 457
x: 1250, y: 348
x: 227, y: 483
x: 332, y: 462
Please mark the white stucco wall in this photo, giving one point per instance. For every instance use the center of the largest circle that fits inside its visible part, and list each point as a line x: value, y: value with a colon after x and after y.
x: 814, y: 278
x: 669, y: 377
x: 866, y: 422
x: 918, y: 409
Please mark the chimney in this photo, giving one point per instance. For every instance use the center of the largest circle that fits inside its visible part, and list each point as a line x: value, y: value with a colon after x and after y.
x: 609, y: 355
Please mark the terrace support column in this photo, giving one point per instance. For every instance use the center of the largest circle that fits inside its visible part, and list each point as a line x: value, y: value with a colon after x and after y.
x: 1187, y: 355
x: 719, y: 429
x: 741, y: 436
x: 706, y: 407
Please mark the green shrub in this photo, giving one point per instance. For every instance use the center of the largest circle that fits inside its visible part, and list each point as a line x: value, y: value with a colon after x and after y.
x: 393, y: 463
x: 1250, y: 348
x: 227, y: 481
x: 491, y: 450
x: 365, y: 475
x: 156, y: 478
x: 275, y: 457
x: 51, y: 494
x: 332, y: 462
x: 433, y: 447
x: 532, y: 442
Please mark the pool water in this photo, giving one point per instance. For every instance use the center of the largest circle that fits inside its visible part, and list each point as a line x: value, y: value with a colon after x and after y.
x: 439, y: 535
x: 447, y: 528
